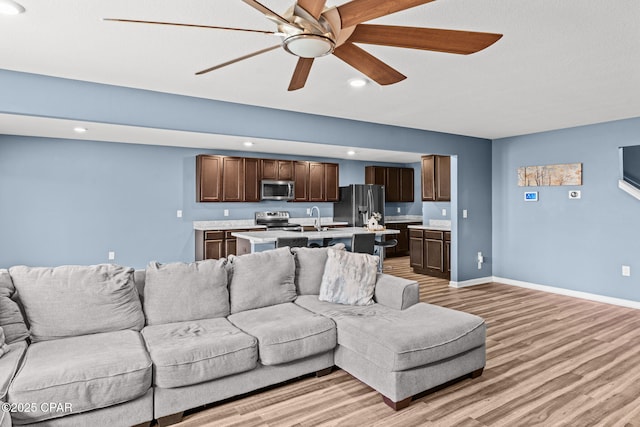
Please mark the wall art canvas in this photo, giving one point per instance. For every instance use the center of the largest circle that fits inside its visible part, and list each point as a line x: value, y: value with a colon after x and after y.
x: 536, y: 176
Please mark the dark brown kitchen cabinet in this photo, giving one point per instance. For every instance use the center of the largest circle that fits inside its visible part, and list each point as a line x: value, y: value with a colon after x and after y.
x: 208, y: 178
x: 428, y: 253
x: 447, y: 252
x: 316, y: 182
x: 398, y: 182
x: 323, y: 182
x: 301, y: 181
x: 251, y: 180
x: 402, y: 248
x: 232, y: 179
x: 331, y: 182
x: 216, y: 244
x: 277, y: 169
x: 227, y: 179
x: 436, y: 178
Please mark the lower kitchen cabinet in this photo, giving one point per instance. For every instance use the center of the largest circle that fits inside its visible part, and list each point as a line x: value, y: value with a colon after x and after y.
x: 402, y: 248
x: 430, y: 252
x: 216, y: 244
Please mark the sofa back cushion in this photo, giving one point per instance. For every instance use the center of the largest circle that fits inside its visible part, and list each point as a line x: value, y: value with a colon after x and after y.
x: 11, y: 319
x: 3, y: 345
x: 310, y: 264
x: 179, y: 292
x: 77, y: 300
x: 262, y: 279
x: 349, y: 278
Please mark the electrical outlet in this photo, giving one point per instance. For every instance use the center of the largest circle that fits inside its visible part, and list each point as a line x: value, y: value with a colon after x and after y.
x: 626, y: 270
x: 308, y: 211
x: 226, y: 212
x: 178, y: 213
x: 112, y: 255
x: 398, y: 210
x: 464, y: 213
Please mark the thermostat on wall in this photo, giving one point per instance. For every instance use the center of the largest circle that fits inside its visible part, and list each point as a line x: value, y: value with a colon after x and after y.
x: 530, y: 196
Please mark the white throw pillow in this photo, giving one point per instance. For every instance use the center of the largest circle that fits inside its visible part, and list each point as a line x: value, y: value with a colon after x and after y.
x: 349, y: 278
x: 4, y: 348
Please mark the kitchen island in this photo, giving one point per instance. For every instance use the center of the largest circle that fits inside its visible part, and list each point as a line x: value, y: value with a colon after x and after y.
x: 252, y: 241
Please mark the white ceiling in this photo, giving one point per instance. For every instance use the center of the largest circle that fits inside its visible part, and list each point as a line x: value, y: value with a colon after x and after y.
x: 560, y: 63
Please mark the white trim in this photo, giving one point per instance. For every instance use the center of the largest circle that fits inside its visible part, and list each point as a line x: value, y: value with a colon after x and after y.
x: 568, y: 292
x: 625, y: 186
x: 472, y: 282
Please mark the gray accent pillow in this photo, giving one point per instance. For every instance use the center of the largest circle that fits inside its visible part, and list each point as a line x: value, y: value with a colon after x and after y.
x: 179, y: 292
x: 309, y: 269
x: 77, y: 300
x: 11, y: 319
x: 349, y: 278
x: 262, y: 279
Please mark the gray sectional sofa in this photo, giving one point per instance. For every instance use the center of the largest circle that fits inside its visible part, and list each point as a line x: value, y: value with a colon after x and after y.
x: 107, y: 345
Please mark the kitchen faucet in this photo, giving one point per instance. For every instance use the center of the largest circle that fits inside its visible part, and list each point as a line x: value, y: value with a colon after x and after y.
x: 316, y: 222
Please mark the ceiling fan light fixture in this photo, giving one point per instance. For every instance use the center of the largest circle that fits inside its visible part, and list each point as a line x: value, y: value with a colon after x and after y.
x: 9, y: 7
x: 308, y: 45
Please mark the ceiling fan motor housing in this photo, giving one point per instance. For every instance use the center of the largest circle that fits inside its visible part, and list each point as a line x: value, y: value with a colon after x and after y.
x: 308, y: 37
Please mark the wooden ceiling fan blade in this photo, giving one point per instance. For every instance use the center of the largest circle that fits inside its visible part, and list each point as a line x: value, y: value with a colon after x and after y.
x: 242, y: 58
x: 300, y: 74
x: 368, y: 64
x: 270, y: 14
x: 357, y: 11
x: 449, y: 41
x: 313, y: 7
x: 177, y: 24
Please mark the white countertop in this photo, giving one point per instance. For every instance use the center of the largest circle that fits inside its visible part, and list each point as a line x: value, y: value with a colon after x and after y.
x: 399, y: 219
x: 234, y: 224
x: 332, y: 233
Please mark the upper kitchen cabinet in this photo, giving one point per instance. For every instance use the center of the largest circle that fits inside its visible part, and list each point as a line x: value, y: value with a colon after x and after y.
x: 323, y: 182
x: 281, y: 170
x: 226, y: 179
x: 208, y: 178
x: 301, y: 181
x: 436, y: 178
x: 398, y: 182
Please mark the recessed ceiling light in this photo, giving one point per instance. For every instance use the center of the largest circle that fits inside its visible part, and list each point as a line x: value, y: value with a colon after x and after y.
x: 79, y: 129
x: 248, y: 144
x: 351, y: 153
x: 358, y: 82
x: 9, y: 7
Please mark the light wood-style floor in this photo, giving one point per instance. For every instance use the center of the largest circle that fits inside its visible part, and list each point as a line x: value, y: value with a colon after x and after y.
x: 551, y: 361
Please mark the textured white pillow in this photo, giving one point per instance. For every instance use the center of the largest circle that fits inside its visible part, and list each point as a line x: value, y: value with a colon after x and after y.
x: 349, y: 278
x: 4, y: 348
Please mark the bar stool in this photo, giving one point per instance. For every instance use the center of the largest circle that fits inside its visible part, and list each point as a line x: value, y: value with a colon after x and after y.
x: 292, y: 242
x: 381, y: 246
x: 363, y: 243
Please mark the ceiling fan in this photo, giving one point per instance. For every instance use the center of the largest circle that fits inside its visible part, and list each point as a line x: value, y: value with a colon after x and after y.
x: 309, y: 30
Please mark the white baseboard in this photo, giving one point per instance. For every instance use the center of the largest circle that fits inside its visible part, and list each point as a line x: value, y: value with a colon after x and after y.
x: 472, y: 282
x: 567, y: 292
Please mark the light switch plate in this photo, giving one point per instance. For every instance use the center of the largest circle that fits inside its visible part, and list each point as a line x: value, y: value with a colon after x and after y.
x: 626, y: 270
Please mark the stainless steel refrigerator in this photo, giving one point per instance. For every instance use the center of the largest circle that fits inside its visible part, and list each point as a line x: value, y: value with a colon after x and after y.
x: 358, y: 202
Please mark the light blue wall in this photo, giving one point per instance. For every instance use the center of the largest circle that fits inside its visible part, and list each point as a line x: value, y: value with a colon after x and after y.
x: 62, y: 98
x: 573, y: 244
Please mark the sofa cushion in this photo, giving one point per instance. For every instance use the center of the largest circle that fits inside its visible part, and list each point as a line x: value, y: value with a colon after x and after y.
x: 349, y: 278
x: 397, y: 340
x: 77, y: 300
x: 9, y: 365
x: 286, y: 332
x: 262, y: 279
x: 192, y: 352
x: 88, y: 372
x: 11, y: 319
x: 310, y: 264
x: 179, y: 291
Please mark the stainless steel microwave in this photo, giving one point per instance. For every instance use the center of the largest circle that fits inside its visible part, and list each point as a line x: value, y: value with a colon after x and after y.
x: 276, y: 190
